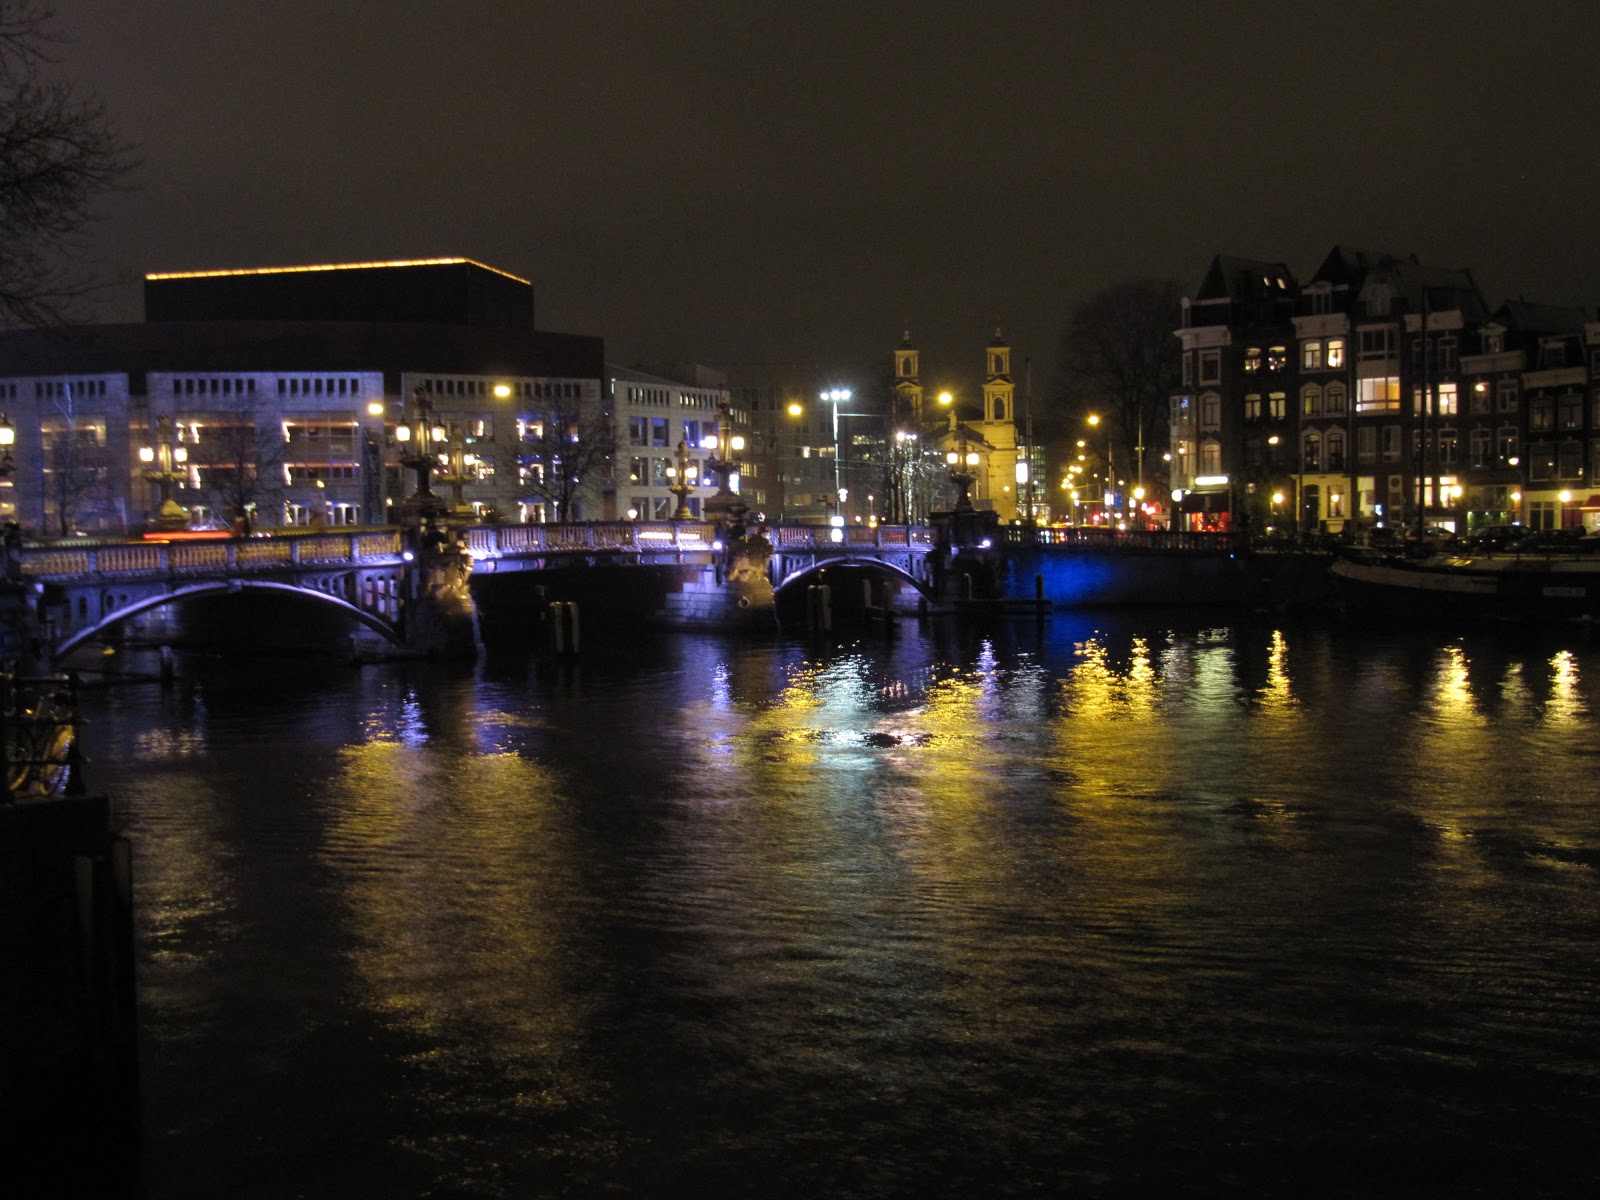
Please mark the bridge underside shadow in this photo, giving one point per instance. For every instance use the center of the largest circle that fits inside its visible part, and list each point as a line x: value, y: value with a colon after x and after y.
x: 854, y: 581
x: 274, y: 614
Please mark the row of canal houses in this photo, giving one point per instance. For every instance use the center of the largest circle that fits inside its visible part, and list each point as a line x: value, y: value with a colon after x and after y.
x: 1382, y: 392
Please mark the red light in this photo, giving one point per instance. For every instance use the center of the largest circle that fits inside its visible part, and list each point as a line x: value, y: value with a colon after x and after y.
x: 189, y: 535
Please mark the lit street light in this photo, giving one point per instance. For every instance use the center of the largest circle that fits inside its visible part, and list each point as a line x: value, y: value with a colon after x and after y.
x: 834, y: 397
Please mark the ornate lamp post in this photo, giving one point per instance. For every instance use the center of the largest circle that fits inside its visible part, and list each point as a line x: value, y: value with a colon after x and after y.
x: 161, y: 458
x: 419, y: 436
x: 727, y: 505
x: 963, y: 463
x: 682, y: 485
x: 460, y: 468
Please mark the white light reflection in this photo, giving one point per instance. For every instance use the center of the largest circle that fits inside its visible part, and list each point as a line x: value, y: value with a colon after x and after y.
x: 1566, y: 706
x: 411, y: 728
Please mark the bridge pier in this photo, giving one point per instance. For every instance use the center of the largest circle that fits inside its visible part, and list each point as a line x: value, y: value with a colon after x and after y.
x: 734, y: 592
x: 437, y: 615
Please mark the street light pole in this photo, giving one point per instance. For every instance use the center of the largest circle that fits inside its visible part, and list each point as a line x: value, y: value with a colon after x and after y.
x: 834, y: 397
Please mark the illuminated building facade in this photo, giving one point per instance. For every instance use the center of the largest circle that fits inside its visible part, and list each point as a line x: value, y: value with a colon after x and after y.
x: 1381, y: 393
x: 987, y: 445
x: 295, y: 379
x: 653, y: 415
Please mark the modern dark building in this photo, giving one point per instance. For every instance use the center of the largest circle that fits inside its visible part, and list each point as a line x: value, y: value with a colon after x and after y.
x: 296, y: 377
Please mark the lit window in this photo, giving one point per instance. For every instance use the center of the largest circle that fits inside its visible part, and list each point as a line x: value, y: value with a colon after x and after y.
x: 1335, y: 352
x: 1379, y: 394
x: 1444, y: 400
x: 1252, y: 360
x: 1311, y: 356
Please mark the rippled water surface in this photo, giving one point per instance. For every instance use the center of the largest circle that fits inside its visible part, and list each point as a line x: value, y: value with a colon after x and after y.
x: 1112, y: 909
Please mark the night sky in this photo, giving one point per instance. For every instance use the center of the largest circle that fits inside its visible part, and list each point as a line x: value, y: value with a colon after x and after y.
x: 766, y: 181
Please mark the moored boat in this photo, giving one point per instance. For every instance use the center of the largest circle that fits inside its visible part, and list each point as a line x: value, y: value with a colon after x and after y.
x: 1507, y: 587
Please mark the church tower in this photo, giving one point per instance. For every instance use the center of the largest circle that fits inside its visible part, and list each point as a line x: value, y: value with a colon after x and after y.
x: 998, y: 427
x: 999, y: 392
x: 908, y: 385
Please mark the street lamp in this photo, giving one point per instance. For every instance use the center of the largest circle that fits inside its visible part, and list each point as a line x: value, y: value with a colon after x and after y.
x: 682, y: 476
x: 723, y: 444
x: 834, y: 397
x: 162, y: 458
x: 420, y: 437
x: 1111, y: 497
x: 963, y: 464
x: 460, y: 468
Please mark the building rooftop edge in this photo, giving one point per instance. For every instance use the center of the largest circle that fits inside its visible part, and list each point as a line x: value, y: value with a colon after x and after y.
x: 154, y: 276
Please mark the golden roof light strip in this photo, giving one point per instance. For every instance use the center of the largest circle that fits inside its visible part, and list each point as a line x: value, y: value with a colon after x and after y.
x: 355, y: 266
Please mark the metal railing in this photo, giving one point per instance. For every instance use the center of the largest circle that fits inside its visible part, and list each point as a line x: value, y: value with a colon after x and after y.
x: 39, y: 756
x: 1098, y: 537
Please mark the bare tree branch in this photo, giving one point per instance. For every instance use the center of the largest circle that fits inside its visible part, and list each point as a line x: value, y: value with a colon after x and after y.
x: 1119, y: 359
x: 561, y: 448
x: 58, y: 152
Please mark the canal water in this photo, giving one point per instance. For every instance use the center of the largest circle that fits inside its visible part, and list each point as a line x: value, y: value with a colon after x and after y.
x: 1113, y: 907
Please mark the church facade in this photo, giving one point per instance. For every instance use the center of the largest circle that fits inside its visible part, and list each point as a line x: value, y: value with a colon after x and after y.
x: 984, y: 447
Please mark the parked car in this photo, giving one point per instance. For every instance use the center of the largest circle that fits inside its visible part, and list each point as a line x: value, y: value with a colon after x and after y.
x: 1553, y: 541
x: 1495, y: 537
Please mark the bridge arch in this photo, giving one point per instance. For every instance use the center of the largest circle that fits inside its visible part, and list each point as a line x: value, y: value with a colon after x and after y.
x: 866, y: 561
x: 222, y: 587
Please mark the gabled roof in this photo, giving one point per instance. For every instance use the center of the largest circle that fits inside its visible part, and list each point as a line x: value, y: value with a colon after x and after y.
x: 1422, y: 286
x: 1348, y: 266
x: 1526, y: 317
x: 1233, y: 278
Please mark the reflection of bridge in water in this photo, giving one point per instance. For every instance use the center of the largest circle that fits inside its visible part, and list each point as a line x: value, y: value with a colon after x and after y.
x: 89, y: 588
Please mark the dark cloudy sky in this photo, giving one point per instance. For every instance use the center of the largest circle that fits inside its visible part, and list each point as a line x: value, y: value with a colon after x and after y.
x: 767, y: 180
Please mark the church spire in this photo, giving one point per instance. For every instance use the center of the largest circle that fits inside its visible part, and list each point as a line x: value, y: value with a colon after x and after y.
x: 908, y: 383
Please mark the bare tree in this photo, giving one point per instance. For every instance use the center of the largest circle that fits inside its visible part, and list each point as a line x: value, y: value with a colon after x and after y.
x: 560, y: 449
x: 76, y: 469
x: 1119, y: 361
x: 58, y: 152
x: 238, y: 469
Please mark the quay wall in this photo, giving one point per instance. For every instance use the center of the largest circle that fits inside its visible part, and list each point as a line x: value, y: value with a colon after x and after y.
x: 1078, y: 577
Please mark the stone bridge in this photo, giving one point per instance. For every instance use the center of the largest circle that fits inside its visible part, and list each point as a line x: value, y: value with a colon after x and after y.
x: 85, y: 588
